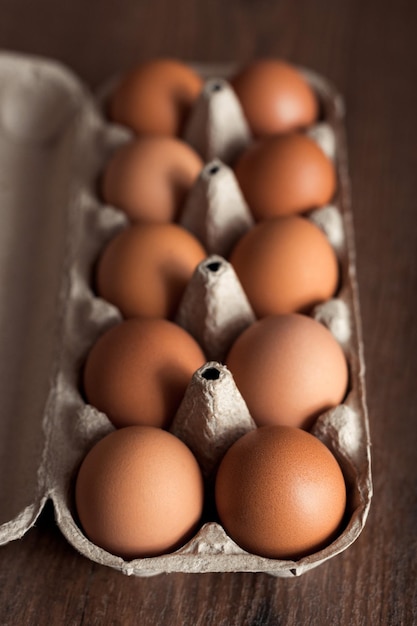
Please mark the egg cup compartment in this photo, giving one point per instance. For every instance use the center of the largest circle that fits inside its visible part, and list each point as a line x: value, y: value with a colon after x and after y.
x: 54, y: 138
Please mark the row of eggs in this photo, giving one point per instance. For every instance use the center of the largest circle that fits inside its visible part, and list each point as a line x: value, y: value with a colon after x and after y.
x: 140, y: 492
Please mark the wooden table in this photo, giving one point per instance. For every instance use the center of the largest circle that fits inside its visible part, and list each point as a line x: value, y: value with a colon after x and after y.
x: 369, y: 50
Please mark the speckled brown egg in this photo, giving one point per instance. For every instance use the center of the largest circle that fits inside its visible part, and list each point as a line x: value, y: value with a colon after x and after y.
x: 280, y: 493
x: 137, y: 371
x: 149, y: 178
x: 289, y: 369
x: 145, y: 268
x: 139, y: 492
x: 275, y: 97
x: 285, y: 265
x: 285, y: 174
x: 156, y: 97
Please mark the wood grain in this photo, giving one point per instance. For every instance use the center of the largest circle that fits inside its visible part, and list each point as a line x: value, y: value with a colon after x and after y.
x: 369, y: 50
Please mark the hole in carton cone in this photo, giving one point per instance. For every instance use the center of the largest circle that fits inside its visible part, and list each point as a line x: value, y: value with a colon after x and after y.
x: 211, y: 373
x: 216, y: 87
x: 214, y: 266
x: 213, y: 169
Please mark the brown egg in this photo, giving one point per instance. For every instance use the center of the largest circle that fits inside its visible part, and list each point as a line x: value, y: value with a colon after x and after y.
x: 137, y: 372
x: 139, y: 492
x: 144, y: 269
x: 280, y: 493
x: 285, y: 174
x: 149, y: 178
x: 285, y: 265
x: 275, y: 97
x: 289, y: 369
x: 156, y: 97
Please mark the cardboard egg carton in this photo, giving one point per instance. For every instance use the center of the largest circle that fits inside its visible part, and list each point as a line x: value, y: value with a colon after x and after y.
x: 54, y: 142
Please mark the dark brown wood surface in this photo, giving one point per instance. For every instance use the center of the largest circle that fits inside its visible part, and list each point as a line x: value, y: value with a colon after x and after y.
x: 369, y: 50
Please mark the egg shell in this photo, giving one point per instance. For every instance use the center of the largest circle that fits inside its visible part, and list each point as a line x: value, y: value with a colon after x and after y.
x: 137, y: 371
x: 285, y: 174
x: 149, y: 178
x: 289, y: 369
x: 285, y: 265
x: 145, y: 269
x: 139, y: 492
x: 52, y: 424
x: 280, y: 493
x: 275, y: 96
x: 156, y: 97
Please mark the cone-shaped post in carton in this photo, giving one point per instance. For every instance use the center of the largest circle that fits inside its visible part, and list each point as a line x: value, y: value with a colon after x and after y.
x: 324, y: 137
x: 214, y: 308
x: 212, y: 415
x: 334, y: 314
x: 217, y: 126
x: 215, y: 210
x: 329, y: 219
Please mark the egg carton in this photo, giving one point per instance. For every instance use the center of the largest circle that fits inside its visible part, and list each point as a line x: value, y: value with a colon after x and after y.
x: 54, y: 143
